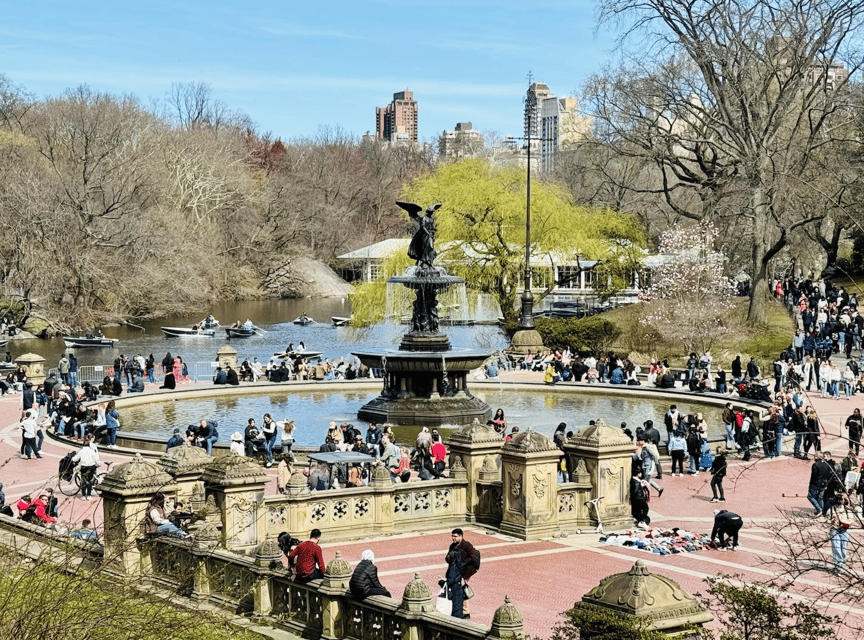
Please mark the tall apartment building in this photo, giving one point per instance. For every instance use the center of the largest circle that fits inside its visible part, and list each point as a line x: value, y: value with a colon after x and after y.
x: 560, y: 125
x: 397, y: 122
x: 537, y: 93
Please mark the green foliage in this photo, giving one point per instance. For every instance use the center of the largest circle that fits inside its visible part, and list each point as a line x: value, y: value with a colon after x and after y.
x: 594, y: 334
x: 751, y: 612
x: 39, y: 602
x: 369, y: 300
x: 481, y: 226
x: 592, y: 624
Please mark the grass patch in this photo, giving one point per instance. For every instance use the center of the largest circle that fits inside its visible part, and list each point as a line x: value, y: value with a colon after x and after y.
x: 763, y: 342
x: 855, y: 286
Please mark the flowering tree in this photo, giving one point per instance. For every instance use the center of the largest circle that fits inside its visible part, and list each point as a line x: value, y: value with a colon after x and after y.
x: 691, y: 295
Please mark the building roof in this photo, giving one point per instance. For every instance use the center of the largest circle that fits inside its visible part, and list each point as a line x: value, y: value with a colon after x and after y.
x: 378, y: 251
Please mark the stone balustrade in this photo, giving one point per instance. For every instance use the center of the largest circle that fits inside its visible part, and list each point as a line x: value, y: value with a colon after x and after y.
x: 375, y: 509
x: 258, y: 586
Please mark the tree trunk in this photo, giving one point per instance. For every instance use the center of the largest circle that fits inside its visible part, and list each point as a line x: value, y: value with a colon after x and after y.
x: 757, y: 311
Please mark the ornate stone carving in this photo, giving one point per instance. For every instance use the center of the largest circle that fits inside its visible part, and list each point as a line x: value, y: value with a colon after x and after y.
x: 507, y: 622
x: 135, y: 475
x: 489, y: 471
x: 338, y: 566
x: 641, y: 593
x: 267, y: 552
x: 233, y: 469
x: 475, y: 432
x: 184, y: 459
x: 529, y: 441
x: 600, y: 436
x: 416, y: 596
x: 541, y: 485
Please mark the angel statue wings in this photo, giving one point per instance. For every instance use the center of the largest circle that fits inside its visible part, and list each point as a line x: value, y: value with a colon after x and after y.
x: 422, y: 247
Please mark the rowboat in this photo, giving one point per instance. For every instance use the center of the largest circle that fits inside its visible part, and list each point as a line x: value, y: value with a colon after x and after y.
x: 241, y: 332
x: 89, y: 342
x: 176, y: 332
x: 3, y: 343
x: 339, y: 321
x: 304, y: 320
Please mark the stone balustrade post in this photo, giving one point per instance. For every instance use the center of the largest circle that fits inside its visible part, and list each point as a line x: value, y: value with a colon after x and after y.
x: 237, y: 484
x: 34, y: 367
x: 266, y: 555
x: 602, y: 454
x: 529, y: 464
x: 186, y: 465
x: 469, y: 449
x: 126, y: 492
x: 416, y: 600
x: 507, y: 623
x: 227, y: 357
x: 332, y: 590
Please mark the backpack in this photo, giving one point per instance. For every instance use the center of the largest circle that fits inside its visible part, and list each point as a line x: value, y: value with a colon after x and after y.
x: 475, y: 558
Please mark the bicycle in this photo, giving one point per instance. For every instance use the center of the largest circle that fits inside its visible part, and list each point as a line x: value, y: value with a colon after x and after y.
x: 72, y: 486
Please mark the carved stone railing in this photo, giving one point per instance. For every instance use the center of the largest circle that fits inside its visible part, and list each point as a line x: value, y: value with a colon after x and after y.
x: 344, y: 513
x: 573, y: 513
x: 259, y: 586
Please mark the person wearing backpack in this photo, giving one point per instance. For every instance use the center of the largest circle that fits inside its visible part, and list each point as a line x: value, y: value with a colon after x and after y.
x: 463, y: 561
x: 648, y: 454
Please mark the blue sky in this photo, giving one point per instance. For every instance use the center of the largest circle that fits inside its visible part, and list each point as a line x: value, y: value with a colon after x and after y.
x: 295, y: 66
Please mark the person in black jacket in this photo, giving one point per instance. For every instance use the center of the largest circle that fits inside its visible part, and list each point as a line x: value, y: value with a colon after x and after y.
x: 718, y: 472
x: 364, y: 581
x: 726, y: 523
x: 820, y: 476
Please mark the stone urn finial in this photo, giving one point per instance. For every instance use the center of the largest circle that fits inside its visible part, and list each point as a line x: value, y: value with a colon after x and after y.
x: 337, y: 573
x: 507, y: 622
x: 417, y: 596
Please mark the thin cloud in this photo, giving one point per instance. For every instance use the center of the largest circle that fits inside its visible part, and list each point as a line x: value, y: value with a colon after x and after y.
x: 302, y: 31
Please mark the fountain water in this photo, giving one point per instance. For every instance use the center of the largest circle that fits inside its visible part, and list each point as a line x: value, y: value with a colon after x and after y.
x: 425, y: 380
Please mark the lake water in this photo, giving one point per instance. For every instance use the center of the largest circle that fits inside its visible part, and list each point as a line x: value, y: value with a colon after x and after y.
x: 274, y: 316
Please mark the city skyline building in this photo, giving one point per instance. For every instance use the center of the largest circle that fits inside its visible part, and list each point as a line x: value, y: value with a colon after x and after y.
x: 462, y: 142
x: 397, y: 122
x: 536, y: 94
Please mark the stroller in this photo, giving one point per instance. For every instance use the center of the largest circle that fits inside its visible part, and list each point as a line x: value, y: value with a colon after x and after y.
x: 707, y: 458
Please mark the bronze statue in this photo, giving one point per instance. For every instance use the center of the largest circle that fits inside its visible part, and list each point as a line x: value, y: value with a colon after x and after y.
x: 422, y: 247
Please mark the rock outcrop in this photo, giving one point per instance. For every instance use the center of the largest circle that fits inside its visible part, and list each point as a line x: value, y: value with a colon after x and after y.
x: 305, y: 278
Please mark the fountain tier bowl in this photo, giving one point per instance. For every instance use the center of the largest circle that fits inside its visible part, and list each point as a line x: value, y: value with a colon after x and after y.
x: 452, y: 360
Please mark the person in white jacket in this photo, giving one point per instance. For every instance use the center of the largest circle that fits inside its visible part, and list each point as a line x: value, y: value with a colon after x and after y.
x: 88, y: 458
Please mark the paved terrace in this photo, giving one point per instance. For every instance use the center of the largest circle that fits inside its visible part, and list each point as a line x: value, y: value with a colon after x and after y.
x: 544, y: 577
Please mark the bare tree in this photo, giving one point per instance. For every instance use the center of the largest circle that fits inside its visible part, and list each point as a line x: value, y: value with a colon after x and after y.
x: 731, y: 104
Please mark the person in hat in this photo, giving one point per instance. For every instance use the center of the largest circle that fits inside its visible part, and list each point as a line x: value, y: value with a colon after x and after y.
x: 175, y: 441
x: 237, y: 444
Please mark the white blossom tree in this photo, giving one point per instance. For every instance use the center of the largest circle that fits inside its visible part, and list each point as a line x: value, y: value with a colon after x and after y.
x: 690, y: 293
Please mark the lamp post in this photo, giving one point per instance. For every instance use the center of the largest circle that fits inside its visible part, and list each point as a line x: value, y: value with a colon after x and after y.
x: 527, y: 338
x: 526, y: 318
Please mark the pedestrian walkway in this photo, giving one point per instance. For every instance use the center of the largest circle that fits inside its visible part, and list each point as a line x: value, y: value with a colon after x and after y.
x: 546, y: 577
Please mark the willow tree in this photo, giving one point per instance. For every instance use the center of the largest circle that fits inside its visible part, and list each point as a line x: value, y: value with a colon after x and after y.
x: 481, y: 228
x: 731, y: 100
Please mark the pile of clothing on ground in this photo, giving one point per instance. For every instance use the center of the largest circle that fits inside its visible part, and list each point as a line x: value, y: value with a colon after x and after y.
x: 660, y: 541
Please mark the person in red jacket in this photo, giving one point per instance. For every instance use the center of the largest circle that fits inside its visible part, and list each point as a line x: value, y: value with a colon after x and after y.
x: 308, y: 559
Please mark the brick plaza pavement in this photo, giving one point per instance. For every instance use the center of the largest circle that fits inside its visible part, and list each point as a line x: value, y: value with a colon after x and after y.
x: 544, y: 577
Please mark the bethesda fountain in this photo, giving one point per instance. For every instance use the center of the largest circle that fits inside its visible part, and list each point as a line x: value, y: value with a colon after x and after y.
x: 425, y: 380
